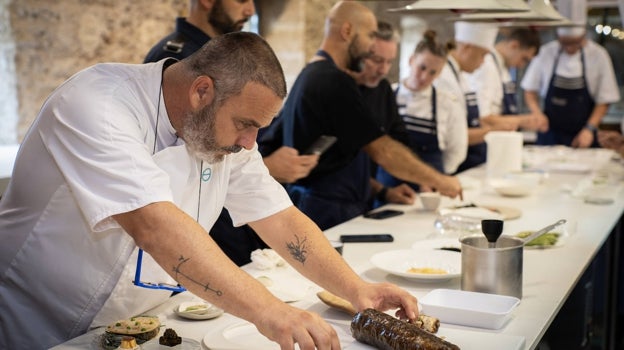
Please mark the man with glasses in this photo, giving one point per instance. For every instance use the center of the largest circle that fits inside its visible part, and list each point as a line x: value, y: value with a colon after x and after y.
x: 574, y: 77
x: 123, y: 157
x: 325, y: 100
x: 377, y: 92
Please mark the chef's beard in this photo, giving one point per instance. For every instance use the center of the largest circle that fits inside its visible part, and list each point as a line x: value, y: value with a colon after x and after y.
x: 222, y: 22
x: 356, y: 59
x: 200, y: 136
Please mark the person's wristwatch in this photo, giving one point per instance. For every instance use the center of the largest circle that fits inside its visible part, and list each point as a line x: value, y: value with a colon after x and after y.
x: 591, y: 127
x: 381, y: 195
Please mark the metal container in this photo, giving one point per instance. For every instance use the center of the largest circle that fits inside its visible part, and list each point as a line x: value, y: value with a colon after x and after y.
x: 492, y: 270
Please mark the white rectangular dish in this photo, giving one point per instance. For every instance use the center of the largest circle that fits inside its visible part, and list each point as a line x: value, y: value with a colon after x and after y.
x: 465, y: 308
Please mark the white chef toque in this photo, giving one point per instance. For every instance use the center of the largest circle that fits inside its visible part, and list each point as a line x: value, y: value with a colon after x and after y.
x: 572, y: 32
x: 475, y: 33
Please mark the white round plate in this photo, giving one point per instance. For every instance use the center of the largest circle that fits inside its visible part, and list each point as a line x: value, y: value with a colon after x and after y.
x: 398, y: 262
x: 187, y: 344
x: 241, y: 335
x: 210, y: 312
x: 244, y: 335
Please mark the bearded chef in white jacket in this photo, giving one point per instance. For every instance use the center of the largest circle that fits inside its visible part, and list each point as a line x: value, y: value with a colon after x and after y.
x: 125, y: 156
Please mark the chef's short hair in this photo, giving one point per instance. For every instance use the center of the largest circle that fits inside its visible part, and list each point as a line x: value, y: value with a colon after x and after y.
x: 232, y: 60
x: 526, y: 37
x: 386, y: 32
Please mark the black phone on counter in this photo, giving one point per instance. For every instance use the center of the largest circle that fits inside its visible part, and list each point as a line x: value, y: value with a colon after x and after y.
x: 321, y: 145
x: 382, y: 214
x: 367, y: 238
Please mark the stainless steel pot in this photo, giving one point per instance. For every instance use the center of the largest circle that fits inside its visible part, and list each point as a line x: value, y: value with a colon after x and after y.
x: 492, y: 270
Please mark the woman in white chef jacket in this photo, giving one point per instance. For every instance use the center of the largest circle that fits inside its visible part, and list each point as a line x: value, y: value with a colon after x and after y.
x: 575, y: 78
x: 434, y: 118
x: 496, y: 91
x: 473, y: 42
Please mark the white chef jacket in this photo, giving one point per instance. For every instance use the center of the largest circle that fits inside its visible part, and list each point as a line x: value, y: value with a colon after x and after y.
x: 448, y: 82
x: 88, y: 156
x: 487, y: 81
x: 451, y: 124
x: 598, y: 71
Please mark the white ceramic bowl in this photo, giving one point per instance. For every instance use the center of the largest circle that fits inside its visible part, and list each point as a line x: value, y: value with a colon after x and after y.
x: 430, y: 200
x: 465, y: 308
x: 514, y: 186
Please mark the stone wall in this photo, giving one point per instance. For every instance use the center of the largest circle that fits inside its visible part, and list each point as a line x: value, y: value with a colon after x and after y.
x: 52, y: 40
x: 55, y: 39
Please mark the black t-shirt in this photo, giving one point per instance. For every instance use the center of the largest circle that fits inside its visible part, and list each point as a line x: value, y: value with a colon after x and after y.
x: 381, y: 100
x: 325, y: 101
x: 184, y: 41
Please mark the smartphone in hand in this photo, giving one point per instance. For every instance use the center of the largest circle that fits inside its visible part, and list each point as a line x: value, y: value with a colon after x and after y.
x: 321, y: 145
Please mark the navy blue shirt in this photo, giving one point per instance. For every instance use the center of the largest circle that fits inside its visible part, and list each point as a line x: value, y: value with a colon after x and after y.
x: 183, y: 42
x: 236, y: 242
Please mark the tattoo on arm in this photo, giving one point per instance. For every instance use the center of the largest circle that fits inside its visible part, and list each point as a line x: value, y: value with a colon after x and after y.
x: 179, y: 272
x: 298, y: 249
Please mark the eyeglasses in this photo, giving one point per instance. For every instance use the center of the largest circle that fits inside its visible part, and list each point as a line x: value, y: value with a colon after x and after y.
x: 137, y: 279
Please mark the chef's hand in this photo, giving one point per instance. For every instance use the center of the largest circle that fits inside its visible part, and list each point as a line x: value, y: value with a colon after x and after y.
x: 449, y: 186
x: 583, y: 139
x: 530, y: 122
x: 500, y: 123
x: 287, y: 325
x: 401, y: 194
x: 610, y: 139
x: 287, y: 166
x: 543, y: 125
x: 386, y: 296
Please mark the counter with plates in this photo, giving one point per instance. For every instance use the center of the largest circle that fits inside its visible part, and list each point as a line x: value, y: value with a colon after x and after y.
x: 549, y: 274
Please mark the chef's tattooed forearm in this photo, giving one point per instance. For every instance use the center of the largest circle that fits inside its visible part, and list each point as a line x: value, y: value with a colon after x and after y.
x: 179, y: 272
x: 298, y: 249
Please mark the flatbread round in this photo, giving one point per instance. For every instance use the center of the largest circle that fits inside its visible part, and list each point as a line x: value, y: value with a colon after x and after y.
x: 134, y: 326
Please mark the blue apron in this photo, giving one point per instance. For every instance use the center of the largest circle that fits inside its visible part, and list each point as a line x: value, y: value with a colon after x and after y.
x: 476, y: 153
x: 568, y: 106
x: 510, y: 104
x: 336, y: 197
x: 423, y: 140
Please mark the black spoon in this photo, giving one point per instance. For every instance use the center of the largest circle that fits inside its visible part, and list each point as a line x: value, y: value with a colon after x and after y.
x: 492, y: 230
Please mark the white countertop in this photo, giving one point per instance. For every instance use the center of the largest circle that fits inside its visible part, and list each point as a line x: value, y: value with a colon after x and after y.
x: 549, y: 274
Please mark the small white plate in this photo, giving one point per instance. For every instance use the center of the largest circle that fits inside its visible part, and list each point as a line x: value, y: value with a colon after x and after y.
x: 398, y: 262
x: 187, y: 344
x: 204, y: 311
x: 465, y: 308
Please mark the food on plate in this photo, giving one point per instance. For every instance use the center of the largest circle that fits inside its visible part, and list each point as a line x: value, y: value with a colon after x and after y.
x: 388, y: 333
x: 170, y: 338
x: 427, y: 323
x: 427, y: 270
x: 128, y: 343
x: 142, y: 328
x: 545, y: 240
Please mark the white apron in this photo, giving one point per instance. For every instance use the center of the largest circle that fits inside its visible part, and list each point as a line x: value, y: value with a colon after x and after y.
x: 184, y: 175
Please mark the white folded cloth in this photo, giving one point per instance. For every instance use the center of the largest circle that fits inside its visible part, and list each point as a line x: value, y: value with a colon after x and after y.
x: 264, y: 259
